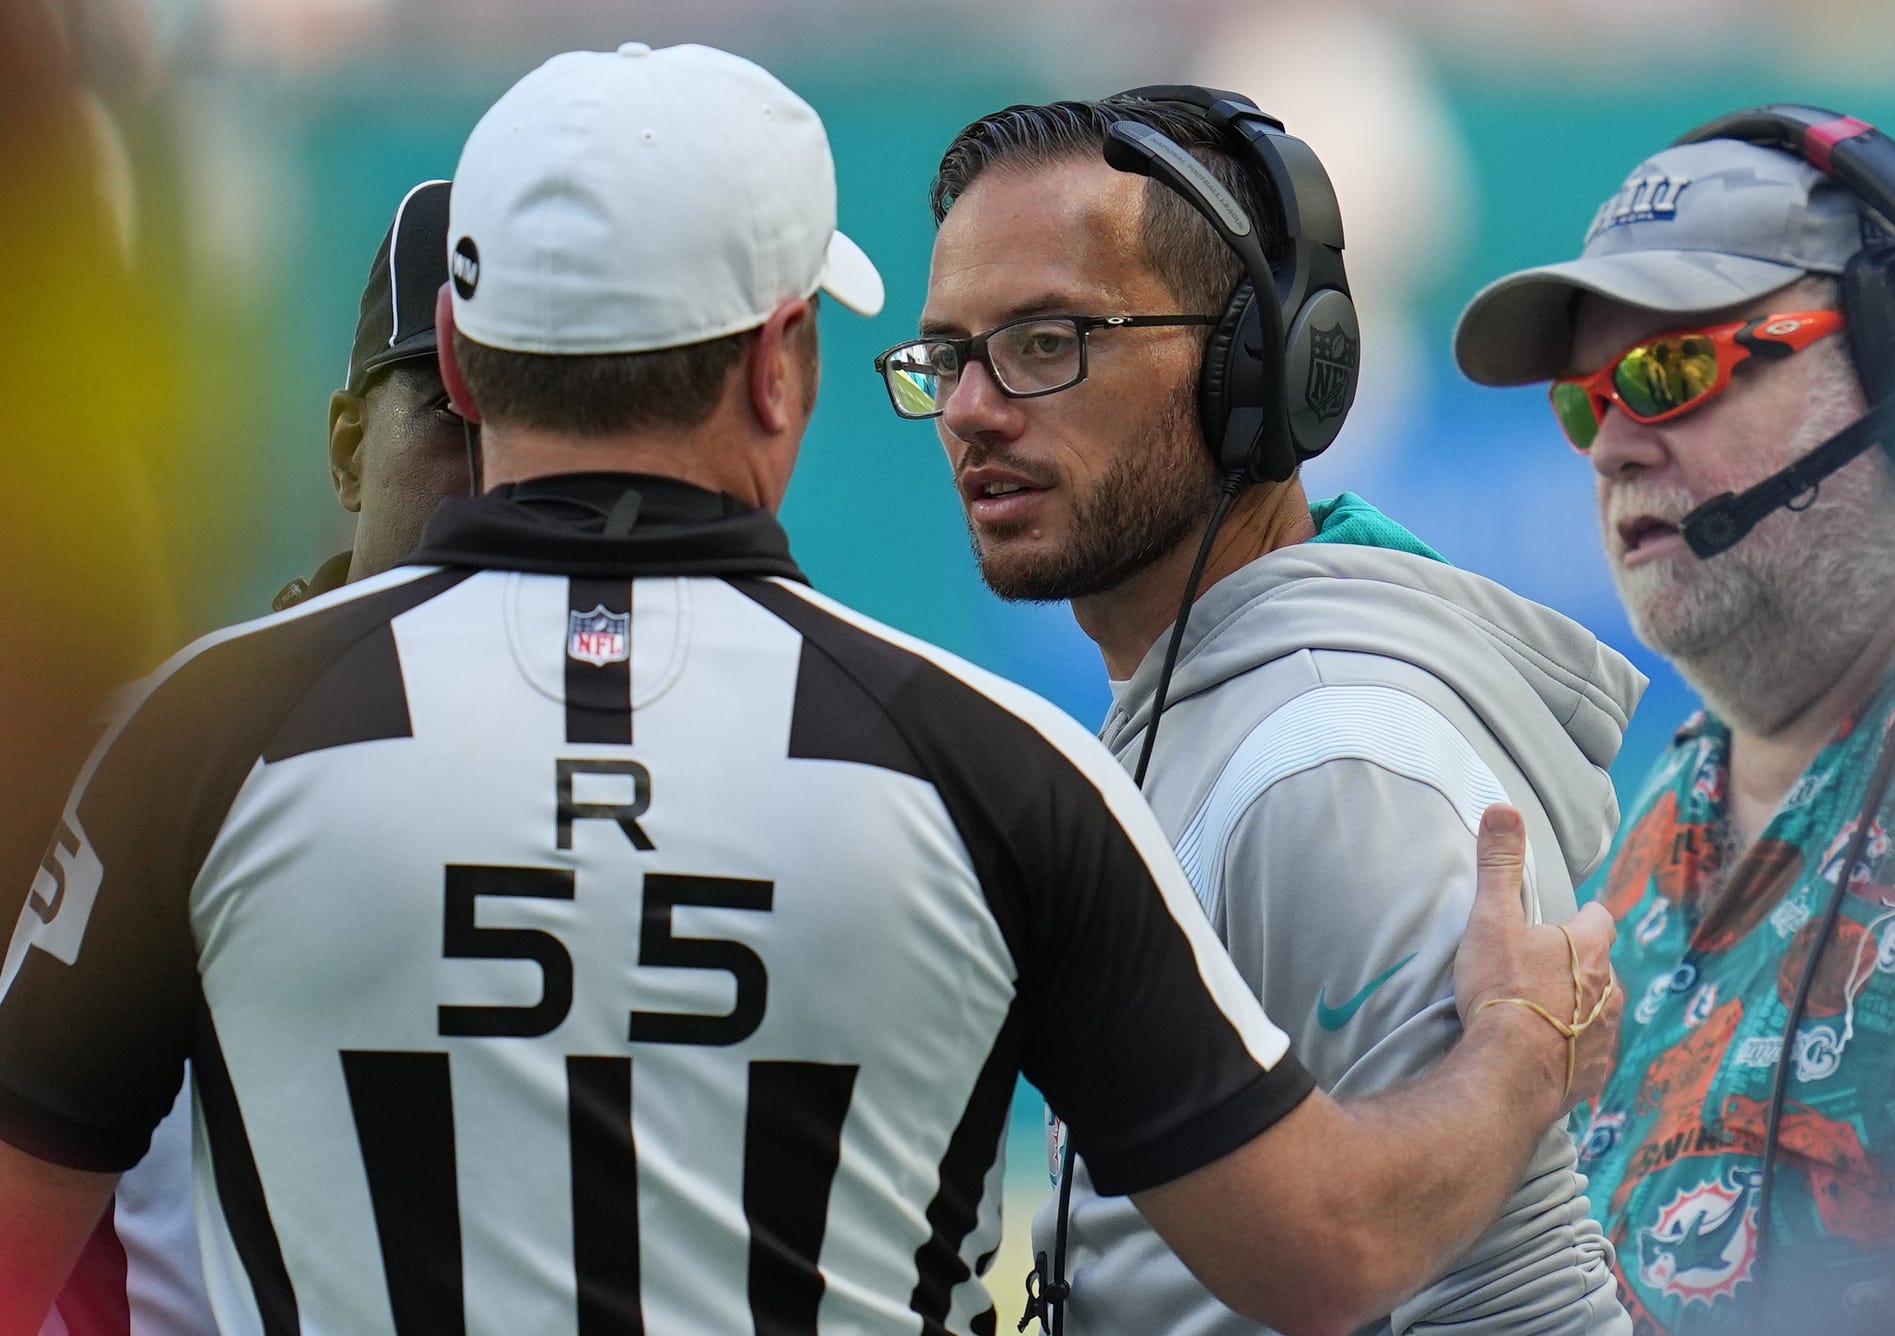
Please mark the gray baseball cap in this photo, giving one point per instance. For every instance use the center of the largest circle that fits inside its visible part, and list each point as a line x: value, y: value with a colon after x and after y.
x: 1697, y: 227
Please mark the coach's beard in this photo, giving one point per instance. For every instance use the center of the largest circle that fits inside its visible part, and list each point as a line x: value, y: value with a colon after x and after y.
x: 1159, y: 488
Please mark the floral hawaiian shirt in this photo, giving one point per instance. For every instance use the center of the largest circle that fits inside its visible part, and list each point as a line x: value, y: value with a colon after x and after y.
x: 1675, y: 1141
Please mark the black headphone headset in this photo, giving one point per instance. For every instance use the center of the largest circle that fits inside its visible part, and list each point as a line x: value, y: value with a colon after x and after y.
x: 1862, y: 159
x: 1278, y: 375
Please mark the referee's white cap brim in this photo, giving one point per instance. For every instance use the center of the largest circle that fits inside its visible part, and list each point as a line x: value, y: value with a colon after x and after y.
x: 852, y: 278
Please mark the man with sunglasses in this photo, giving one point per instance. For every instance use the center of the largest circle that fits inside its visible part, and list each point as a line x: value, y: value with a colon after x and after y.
x: 1336, y: 674
x: 1696, y: 349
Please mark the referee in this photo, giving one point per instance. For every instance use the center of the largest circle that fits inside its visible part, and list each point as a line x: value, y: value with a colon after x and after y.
x: 396, y: 446
x: 590, y: 928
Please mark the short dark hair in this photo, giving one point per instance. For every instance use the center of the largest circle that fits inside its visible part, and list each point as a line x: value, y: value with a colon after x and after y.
x: 604, y: 393
x: 1180, y: 247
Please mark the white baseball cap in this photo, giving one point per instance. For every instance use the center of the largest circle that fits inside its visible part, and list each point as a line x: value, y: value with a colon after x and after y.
x: 625, y: 201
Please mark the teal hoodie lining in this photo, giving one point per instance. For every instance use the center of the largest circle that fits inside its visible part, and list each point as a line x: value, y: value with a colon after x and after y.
x: 1350, y: 519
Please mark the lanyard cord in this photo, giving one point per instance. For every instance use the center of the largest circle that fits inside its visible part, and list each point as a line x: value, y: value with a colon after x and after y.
x: 1047, y: 1290
x: 1232, y: 485
x: 1766, y: 1180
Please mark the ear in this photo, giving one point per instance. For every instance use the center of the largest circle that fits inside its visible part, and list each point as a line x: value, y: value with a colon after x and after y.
x: 778, y: 381
x: 451, y: 377
x: 345, y: 449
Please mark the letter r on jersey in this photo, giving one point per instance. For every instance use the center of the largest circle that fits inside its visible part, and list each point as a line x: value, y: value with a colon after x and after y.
x: 625, y: 814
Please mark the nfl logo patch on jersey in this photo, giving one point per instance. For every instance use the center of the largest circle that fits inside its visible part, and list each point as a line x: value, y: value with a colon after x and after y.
x: 599, y: 637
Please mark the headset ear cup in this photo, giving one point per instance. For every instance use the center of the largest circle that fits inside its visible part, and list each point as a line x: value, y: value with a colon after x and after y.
x: 1321, y: 366
x: 1868, y: 303
x: 1232, y: 394
x: 1214, y: 376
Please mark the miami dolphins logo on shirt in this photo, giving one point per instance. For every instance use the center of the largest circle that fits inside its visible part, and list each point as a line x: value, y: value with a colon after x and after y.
x: 1655, y: 994
x: 1818, y: 1053
x: 1703, y: 1244
x: 1601, y: 1135
x: 1874, y: 850
x: 1707, y: 785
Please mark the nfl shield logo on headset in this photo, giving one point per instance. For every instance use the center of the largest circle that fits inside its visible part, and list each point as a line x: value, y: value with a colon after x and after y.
x: 1332, y: 360
x: 599, y: 637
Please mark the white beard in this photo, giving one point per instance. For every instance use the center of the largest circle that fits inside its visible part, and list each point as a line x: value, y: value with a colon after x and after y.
x: 1762, y: 629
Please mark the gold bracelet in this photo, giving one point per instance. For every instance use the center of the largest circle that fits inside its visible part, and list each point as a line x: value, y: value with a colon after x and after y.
x: 1569, y: 1030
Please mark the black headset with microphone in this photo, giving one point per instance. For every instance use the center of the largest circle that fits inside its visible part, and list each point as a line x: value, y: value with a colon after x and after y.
x: 1281, y: 366
x: 1862, y: 159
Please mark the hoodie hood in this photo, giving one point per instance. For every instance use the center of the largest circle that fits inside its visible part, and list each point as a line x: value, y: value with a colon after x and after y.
x: 1555, y: 696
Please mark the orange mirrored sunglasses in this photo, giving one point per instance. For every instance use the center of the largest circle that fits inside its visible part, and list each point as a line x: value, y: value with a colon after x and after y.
x: 1673, y: 373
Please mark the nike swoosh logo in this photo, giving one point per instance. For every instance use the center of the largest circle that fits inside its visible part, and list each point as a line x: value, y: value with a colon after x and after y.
x: 1334, y: 1018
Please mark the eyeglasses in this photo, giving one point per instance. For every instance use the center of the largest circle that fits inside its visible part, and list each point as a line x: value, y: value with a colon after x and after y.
x: 1040, y: 354
x: 1671, y: 374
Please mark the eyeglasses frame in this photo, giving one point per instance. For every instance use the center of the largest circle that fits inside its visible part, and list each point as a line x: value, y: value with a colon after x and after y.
x: 971, y: 348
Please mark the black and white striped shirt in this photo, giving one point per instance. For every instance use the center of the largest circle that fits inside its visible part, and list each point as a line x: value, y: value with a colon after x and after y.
x: 609, y: 934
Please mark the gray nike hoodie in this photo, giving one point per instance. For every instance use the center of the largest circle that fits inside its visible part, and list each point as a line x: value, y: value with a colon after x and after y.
x: 1339, y: 718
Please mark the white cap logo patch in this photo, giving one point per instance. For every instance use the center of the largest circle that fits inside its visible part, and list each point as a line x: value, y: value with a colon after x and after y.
x: 465, y: 266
